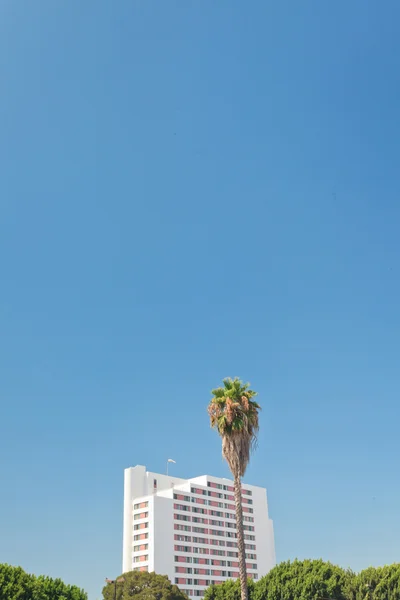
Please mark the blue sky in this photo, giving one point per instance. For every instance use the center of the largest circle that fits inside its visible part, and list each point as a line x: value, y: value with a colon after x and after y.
x: 191, y: 190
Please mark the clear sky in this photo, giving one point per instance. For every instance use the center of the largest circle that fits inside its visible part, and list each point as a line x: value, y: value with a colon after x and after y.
x: 194, y: 189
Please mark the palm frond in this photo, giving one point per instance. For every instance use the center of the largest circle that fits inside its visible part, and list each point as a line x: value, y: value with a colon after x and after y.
x: 235, y: 416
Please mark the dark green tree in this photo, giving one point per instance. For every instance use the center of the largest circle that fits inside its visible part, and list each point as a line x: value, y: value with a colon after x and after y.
x: 143, y: 586
x: 16, y: 584
x: 382, y: 583
x: 229, y: 590
x: 304, y: 580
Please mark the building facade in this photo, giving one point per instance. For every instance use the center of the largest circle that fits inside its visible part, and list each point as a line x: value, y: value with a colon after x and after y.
x: 186, y: 529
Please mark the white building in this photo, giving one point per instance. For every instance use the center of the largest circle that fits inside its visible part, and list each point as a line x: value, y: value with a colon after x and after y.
x: 186, y: 529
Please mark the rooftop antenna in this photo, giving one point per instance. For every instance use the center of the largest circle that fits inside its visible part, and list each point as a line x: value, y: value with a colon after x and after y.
x: 170, y: 461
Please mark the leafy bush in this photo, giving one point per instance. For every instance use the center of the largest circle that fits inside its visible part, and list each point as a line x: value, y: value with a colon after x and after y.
x: 16, y: 584
x: 229, y: 590
x: 304, y: 580
x: 382, y: 583
x: 143, y: 586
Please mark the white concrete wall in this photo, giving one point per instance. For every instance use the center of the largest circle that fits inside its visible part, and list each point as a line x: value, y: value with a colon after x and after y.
x: 265, y: 545
x: 134, y: 487
x: 128, y: 521
x: 164, y: 536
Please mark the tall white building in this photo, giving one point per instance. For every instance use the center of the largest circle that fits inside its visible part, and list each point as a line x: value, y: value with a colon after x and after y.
x: 186, y: 529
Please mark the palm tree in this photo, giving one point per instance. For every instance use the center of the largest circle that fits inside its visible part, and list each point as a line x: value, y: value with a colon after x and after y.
x: 234, y: 415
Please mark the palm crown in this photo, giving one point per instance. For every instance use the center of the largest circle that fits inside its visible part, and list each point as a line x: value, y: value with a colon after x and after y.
x: 234, y: 414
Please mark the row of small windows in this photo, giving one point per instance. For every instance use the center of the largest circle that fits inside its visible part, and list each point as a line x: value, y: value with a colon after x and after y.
x: 220, y: 486
x: 212, y: 494
x: 203, y: 521
x: 197, y: 550
x: 201, y: 571
x: 179, y: 517
x: 209, y: 562
x: 205, y: 511
x: 187, y: 508
x: 218, y: 533
x: 193, y: 581
x: 207, y: 582
x: 200, y: 540
x: 215, y: 503
x: 204, y: 561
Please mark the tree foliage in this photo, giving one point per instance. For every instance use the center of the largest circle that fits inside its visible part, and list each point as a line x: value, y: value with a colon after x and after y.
x: 229, y: 590
x: 382, y: 583
x: 234, y: 414
x: 16, y: 584
x: 143, y: 586
x: 304, y: 580
x: 316, y: 580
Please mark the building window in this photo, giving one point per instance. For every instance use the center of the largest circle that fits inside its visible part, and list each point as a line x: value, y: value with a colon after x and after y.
x: 180, y: 527
x: 183, y: 538
x: 196, y: 509
x: 182, y: 517
x: 138, y: 516
x: 181, y: 507
x: 183, y: 548
x: 142, y: 558
x: 140, y: 547
x: 248, y: 519
x: 183, y: 570
x: 218, y: 552
x: 182, y: 497
x: 187, y: 559
x: 199, y: 520
x: 140, y: 505
x: 215, y: 513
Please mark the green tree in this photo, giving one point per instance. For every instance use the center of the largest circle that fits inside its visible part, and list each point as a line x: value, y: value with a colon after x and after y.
x: 143, y: 586
x: 234, y: 414
x: 382, y: 583
x: 229, y: 590
x: 304, y: 580
x: 16, y: 584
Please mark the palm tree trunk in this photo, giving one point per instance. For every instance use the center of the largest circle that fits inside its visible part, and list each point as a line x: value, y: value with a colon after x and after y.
x: 240, y: 537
